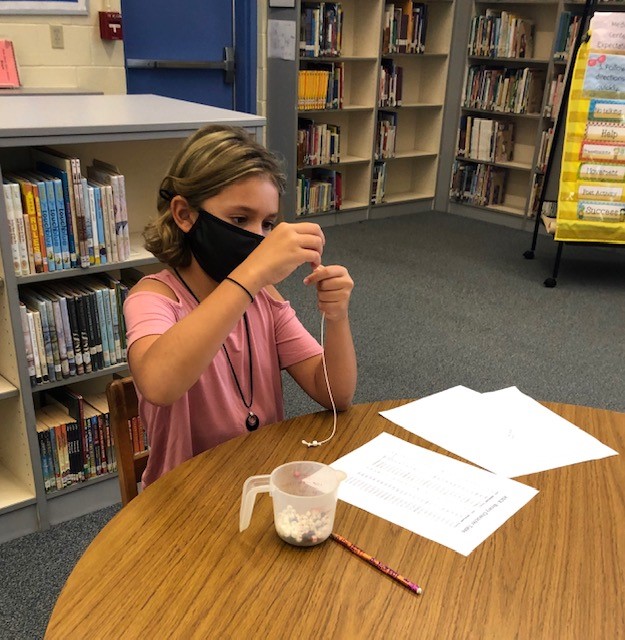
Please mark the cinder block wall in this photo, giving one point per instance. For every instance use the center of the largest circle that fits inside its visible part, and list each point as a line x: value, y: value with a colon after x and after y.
x: 86, y: 61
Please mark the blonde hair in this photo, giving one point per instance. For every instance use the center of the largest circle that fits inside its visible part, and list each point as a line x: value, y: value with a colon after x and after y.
x: 210, y: 160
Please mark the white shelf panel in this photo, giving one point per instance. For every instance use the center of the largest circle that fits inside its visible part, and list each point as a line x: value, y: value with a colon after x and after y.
x: 402, y: 155
x: 406, y: 196
x: 522, y: 166
x: 14, y: 493
x: 343, y: 109
x: 138, y: 257
x: 345, y: 159
x: 487, y: 112
x: 120, y: 368
x: 7, y: 390
x: 24, y: 119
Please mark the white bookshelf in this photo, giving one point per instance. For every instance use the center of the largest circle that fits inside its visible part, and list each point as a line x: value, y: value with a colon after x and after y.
x: 411, y: 174
x: 138, y: 133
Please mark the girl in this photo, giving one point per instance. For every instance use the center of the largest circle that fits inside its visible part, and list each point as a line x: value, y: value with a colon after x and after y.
x: 207, y: 337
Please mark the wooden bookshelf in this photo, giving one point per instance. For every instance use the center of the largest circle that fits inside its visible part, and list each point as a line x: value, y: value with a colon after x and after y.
x: 139, y: 134
x: 411, y: 169
x: 521, y: 169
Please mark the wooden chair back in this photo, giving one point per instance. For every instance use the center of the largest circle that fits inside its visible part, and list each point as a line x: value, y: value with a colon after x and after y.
x: 123, y: 406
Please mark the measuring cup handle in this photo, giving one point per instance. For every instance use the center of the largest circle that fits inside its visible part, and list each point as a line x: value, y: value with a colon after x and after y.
x: 251, y: 488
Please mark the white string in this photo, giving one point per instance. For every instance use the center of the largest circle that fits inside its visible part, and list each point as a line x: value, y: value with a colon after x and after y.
x: 316, y: 443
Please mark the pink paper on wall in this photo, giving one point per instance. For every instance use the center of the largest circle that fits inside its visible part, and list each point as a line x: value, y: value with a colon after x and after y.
x: 9, y: 75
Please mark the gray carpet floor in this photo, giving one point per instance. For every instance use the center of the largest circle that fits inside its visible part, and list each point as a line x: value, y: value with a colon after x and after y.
x: 439, y: 300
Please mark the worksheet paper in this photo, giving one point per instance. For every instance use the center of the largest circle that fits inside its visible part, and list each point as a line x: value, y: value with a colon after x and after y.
x: 505, y: 431
x: 437, y: 497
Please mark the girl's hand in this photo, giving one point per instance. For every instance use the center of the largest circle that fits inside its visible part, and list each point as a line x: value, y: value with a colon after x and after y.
x: 286, y: 248
x: 334, y: 288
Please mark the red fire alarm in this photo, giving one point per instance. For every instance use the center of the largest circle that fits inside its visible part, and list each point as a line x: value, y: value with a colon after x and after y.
x: 110, y: 25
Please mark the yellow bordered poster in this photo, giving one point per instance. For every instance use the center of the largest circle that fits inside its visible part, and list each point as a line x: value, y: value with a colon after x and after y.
x: 591, y: 197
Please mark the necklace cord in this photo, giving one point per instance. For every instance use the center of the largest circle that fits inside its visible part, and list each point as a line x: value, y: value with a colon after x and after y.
x: 317, y: 443
x: 248, y: 405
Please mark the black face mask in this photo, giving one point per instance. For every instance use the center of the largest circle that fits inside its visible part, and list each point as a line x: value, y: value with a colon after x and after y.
x: 218, y: 246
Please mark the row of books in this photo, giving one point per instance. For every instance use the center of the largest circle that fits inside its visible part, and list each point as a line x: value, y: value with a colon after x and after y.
x: 477, y: 184
x: 405, y: 27
x: 75, y: 439
x: 504, y: 90
x: 319, y: 192
x: 501, y: 34
x: 379, y: 182
x: 317, y: 143
x: 546, y: 142
x: 74, y: 328
x: 568, y: 26
x: 391, y: 81
x: 485, y: 139
x: 320, y: 86
x: 554, y: 98
x: 386, y: 135
x: 537, y: 185
x: 58, y: 219
x: 321, y: 29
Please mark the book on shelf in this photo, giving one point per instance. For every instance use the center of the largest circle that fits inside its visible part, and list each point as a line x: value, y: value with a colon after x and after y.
x: 485, y: 139
x: 391, y: 79
x: 321, y: 29
x: 319, y: 192
x: 107, y: 173
x: 404, y: 27
x: 34, y: 237
x: 379, y: 182
x: 504, y: 90
x: 17, y: 235
x: 568, y: 25
x: 320, y: 85
x: 76, y: 328
x: 554, y: 96
x: 546, y: 142
x: 477, y: 184
x: 317, y: 143
x: 385, y: 135
x: 501, y: 34
x: 80, y: 225
x: 75, y: 438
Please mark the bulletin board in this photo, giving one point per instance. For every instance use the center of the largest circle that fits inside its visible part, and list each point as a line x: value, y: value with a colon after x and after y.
x: 591, y: 196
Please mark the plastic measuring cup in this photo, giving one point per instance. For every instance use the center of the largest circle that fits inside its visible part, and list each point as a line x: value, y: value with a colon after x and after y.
x: 304, y: 500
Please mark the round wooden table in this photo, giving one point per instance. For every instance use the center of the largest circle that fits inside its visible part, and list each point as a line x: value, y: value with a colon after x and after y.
x: 172, y: 564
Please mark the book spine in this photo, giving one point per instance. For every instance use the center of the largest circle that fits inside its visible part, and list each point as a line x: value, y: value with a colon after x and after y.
x: 99, y: 215
x: 28, y: 202
x: 69, y: 337
x: 53, y: 221
x: 91, y: 229
x: 32, y: 329
x: 15, y: 250
x: 86, y: 339
x: 28, y: 344
x: 61, y: 217
x: 43, y: 454
x: 18, y: 216
x: 103, y: 335
x: 43, y: 240
x: 108, y: 322
x: 61, y: 338
x: 75, y: 332
x: 56, y: 459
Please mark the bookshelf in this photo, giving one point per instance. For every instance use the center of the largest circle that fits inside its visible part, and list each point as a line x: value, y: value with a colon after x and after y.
x: 139, y: 134
x: 508, y: 71
x: 367, y: 51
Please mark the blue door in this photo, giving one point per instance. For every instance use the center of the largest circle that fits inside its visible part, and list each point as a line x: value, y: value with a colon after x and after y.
x: 197, y: 50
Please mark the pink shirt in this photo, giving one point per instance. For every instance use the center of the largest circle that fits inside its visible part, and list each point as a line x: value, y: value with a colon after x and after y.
x: 212, y: 411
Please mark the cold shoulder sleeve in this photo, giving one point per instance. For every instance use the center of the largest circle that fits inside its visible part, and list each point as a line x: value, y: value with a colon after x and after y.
x: 293, y: 341
x: 147, y: 314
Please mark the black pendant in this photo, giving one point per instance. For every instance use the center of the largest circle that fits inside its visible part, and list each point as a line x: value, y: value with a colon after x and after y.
x: 252, y: 422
